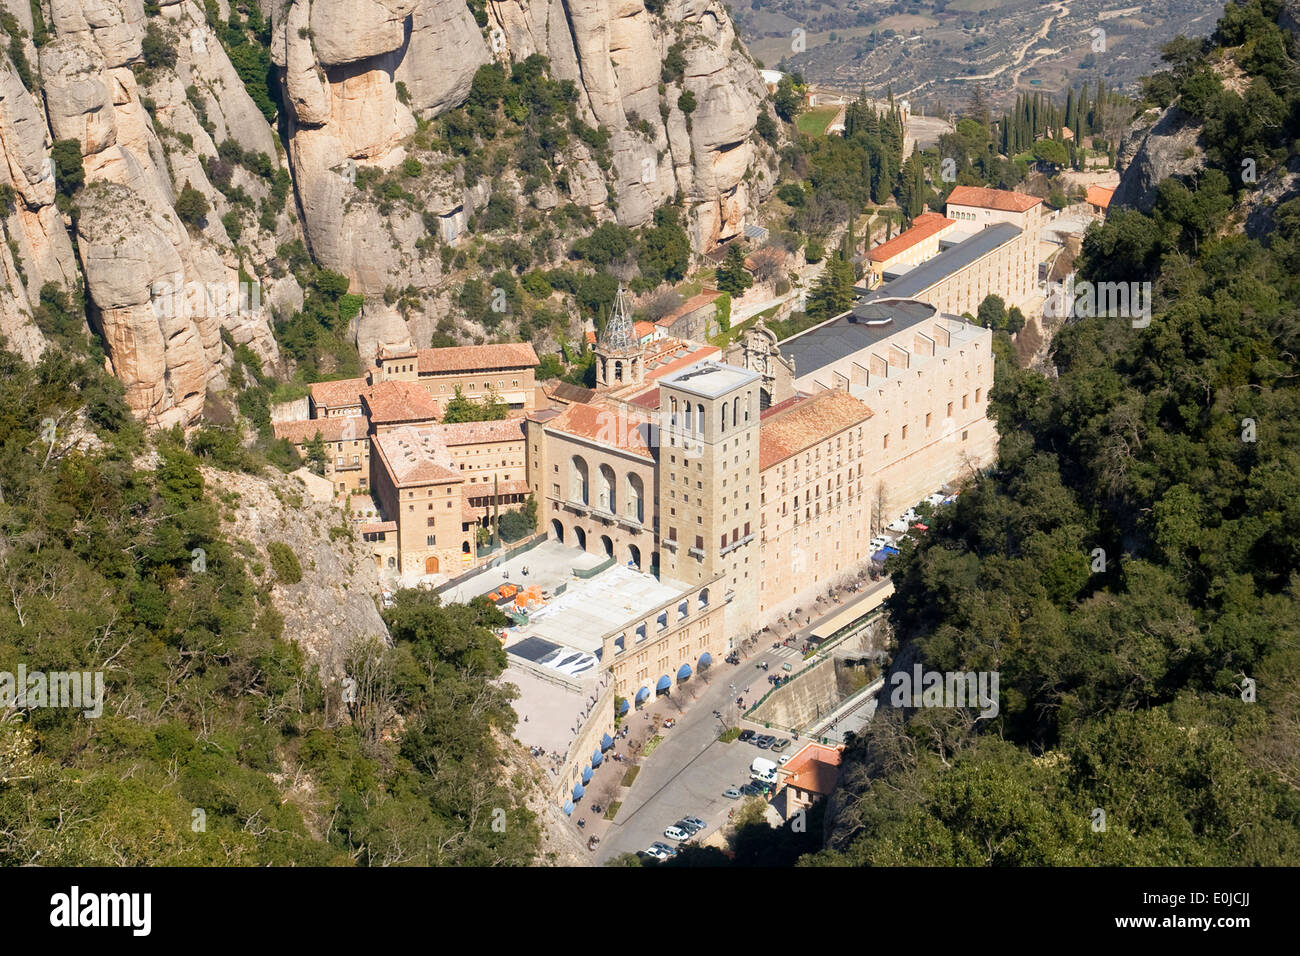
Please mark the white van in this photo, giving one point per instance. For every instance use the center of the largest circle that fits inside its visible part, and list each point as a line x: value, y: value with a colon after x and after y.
x: 763, y: 770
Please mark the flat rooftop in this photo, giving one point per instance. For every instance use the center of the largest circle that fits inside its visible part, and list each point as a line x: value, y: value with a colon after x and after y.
x: 866, y: 325
x: 576, y: 620
x: 709, y: 379
x: 948, y: 262
x: 548, y: 564
x: 555, y: 712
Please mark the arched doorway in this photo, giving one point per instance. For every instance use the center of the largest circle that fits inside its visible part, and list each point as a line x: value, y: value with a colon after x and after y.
x: 580, y: 537
x: 634, y: 556
x: 430, y: 565
x: 557, y: 530
x: 608, y: 545
x: 664, y: 685
x: 464, y: 547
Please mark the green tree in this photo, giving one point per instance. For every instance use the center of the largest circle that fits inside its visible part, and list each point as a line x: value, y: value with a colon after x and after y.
x: 732, y: 276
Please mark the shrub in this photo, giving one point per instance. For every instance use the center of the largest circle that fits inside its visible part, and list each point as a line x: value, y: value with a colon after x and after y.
x: 284, y: 562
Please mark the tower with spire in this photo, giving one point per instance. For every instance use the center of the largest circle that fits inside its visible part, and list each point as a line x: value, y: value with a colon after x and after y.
x: 619, y: 360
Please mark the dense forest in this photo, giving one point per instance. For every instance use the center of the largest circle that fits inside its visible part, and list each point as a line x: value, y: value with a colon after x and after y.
x: 218, y: 743
x: 1131, y: 566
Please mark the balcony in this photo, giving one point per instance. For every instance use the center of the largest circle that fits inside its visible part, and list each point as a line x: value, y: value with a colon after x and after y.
x: 578, y: 507
x: 696, y: 553
x: 736, y: 544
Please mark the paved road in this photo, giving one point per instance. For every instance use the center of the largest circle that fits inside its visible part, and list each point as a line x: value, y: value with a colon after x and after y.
x: 688, y: 771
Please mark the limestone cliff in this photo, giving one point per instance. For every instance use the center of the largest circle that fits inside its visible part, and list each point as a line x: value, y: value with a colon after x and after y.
x: 158, y: 106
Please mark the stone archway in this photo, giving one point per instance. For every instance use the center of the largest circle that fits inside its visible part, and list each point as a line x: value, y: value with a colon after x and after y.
x: 557, y: 530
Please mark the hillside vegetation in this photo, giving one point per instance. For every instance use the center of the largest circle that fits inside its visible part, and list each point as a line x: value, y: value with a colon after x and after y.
x: 1149, y: 710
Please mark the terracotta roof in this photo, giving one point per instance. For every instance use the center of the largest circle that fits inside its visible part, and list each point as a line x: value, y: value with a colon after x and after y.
x: 394, y: 401
x: 642, y: 329
x: 337, y: 428
x: 683, y: 359
x: 705, y: 297
x: 344, y: 391
x: 377, y: 527
x: 616, y: 427
x: 473, y: 358
x: 478, y: 433
x: 471, y: 512
x: 646, y: 399
x: 779, y: 407
x: 815, y: 768
x: 1099, y: 196
x: 590, y: 337
x: 923, y: 227
x: 1002, y: 199
x: 806, y: 423
x: 416, y: 455
x: 568, y: 392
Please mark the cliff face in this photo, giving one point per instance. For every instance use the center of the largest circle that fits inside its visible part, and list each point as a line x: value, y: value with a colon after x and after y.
x: 154, y: 104
x: 358, y: 73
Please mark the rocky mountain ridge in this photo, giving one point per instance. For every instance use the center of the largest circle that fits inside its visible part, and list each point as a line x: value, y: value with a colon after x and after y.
x: 196, y: 180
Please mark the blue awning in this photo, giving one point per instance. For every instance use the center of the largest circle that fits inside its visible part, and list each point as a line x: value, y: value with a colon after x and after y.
x: 597, y: 758
x: 586, y: 778
x: 664, y: 683
x: 578, y: 791
x: 624, y: 706
x: 884, y: 553
x: 642, y: 694
x: 568, y: 807
x: 706, y: 659
x: 606, y: 741
x: 684, y: 672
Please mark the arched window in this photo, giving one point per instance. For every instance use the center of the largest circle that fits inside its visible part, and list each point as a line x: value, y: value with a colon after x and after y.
x: 704, y: 597
x: 635, y: 498
x: 607, y: 490
x: 699, y: 418
x: 673, y: 418
x: 578, y: 480
x: 687, y: 425
x: 735, y: 411
x: 724, y: 416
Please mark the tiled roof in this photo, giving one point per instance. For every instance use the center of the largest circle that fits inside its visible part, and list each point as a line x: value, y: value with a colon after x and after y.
x: 923, y: 227
x: 395, y: 401
x: 378, y: 527
x: 807, y: 423
x: 338, y: 428
x: 478, y: 433
x: 814, y: 768
x: 642, y: 329
x: 690, y: 305
x: 345, y: 391
x: 682, y: 359
x: 416, y: 455
x: 1099, y: 196
x: 568, y: 392
x: 617, y: 427
x: 1001, y: 199
x: 472, y: 358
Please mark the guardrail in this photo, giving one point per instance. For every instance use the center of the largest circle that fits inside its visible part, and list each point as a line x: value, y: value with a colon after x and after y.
x: 504, y: 556
x: 585, y: 573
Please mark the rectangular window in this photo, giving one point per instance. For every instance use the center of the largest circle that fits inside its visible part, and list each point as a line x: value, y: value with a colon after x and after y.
x: 927, y: 419
x: 430, y: 540
x: 963, y: 402
x: 699, y: 542
x: 950, y: 409
x: 904, y: 433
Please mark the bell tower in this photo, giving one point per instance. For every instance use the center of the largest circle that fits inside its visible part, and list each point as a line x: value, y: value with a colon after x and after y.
x: 619, y: 360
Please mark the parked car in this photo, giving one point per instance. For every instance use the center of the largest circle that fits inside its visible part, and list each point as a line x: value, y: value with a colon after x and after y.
x: 784, y: 758
x: 746, y: 735
x: 731, y: 793
x: 655, y: 853
x: 687, y: 827
x: 781, y: 745
x: 662, y: 847
x: 765, y: 741
x: 751, y: 790
x: 676, y: 833
x: 694, y: 824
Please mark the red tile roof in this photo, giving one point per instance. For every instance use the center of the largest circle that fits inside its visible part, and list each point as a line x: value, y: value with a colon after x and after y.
x: 416, y: 456
x: 806, y: 423
x: 815, y: 768
x: 705, y: 297
x: 378, y: 527
x: 923, y: 227
x: 393, y: 401
x: 682, y: 360
x: 1001, y: 199
x: 642, y: 329
x: 617, y: 427
x: 1099, y: 196
x: 473, y: 358
x: 337, y: 428
x: 345, y: 391
x: 479, y: 433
